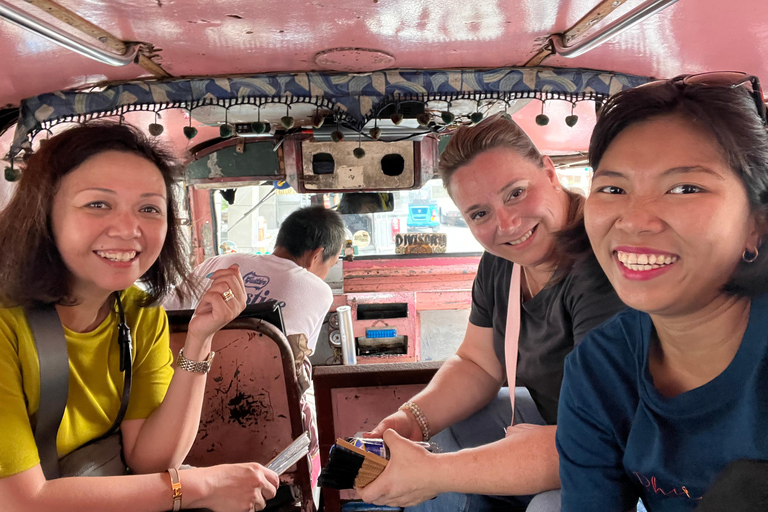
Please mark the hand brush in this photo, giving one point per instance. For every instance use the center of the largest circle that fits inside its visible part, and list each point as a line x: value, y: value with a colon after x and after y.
x: 350, y: 466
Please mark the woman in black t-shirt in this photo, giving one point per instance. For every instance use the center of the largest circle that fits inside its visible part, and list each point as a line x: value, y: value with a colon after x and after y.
x: 511, y: 198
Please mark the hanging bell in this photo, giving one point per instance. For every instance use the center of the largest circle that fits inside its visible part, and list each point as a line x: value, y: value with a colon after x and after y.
x: 317, y: 120
x: 396, y: 118
x: 12, y: 174
x: 542, y: 119
x: 287, y: 122
x: 190, y: 132
x: 155, y: 129
x: 423, y: 119
x: 447, y: 117
x: 476, y: 117
x: 375, y: 132
x: 258, y: 127
x: 226, y: 131
x: 358, y: 152
x: 337, y: 136
x: 571, y: 120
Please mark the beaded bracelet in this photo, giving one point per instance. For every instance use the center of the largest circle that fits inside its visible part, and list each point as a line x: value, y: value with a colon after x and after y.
x: 421, y: 420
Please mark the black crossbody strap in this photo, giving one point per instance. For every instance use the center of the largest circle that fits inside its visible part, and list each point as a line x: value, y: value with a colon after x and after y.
x: 54, y: 383
x: 126, y: 366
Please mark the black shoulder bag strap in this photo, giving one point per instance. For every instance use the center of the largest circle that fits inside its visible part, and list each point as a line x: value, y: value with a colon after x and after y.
x: 54, y: 383
x: 54, y: 380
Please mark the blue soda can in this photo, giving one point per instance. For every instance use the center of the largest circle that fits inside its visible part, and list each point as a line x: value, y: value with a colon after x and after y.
x: 371, y: 445
x: 377, y: 446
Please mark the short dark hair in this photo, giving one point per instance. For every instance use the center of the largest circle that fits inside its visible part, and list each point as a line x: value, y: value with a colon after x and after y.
x: 32, y: 271
x: 309, y: 228
x: 728, y: 114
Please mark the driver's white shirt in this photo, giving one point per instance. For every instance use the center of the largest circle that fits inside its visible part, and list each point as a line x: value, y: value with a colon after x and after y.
x: 304, y: 297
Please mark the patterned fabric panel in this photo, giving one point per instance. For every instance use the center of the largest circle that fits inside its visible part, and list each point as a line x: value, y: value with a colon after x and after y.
x: 354, y: 98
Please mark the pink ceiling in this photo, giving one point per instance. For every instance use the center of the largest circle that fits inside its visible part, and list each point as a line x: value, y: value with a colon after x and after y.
x: 242, y: 36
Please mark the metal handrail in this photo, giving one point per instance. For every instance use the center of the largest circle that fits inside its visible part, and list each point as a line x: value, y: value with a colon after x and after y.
x: 54, y: 34
x: 614, y: 28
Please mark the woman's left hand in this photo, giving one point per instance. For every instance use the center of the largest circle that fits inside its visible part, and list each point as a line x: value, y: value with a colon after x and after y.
x: 407, y: 479
x: 224, y: 300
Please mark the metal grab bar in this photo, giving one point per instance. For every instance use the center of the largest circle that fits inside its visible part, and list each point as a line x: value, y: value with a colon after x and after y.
x: 54, y: 34
x: 614, y: 28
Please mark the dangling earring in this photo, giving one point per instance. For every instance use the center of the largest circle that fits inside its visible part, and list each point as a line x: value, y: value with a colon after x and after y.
x: 749, y: 256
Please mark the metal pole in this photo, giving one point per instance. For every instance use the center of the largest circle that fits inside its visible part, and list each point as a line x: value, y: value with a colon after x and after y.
x: 615, y: 28
x: 54, y: 34
x: 348, y: 345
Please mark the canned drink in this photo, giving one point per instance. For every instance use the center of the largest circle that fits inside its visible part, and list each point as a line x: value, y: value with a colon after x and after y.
x: 372, y: 445
x: 379, y: 447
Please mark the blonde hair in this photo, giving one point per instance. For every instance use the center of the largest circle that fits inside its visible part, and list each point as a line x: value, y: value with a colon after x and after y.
x: 495, y: 132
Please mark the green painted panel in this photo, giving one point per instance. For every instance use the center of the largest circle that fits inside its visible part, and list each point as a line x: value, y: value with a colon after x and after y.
x: 442, y: 143
x: 257, y: 159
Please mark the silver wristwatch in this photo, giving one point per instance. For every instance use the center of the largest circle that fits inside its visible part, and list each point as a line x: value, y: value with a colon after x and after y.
x: 194, y: 366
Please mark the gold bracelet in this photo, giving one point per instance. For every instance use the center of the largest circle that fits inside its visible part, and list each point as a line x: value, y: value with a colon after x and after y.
x: 421, y: 420
x: 175, y: 488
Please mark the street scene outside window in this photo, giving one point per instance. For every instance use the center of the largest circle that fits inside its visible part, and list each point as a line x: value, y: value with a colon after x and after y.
x: 248, y: 218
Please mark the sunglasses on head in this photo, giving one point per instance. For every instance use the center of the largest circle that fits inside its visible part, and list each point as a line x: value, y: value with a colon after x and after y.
x: 729, y: 79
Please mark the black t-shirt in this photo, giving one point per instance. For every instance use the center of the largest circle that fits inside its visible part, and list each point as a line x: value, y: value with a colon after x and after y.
x: 552, y: 323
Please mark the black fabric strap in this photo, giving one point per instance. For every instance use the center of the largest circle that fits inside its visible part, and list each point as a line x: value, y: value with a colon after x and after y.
x: 54, y: 383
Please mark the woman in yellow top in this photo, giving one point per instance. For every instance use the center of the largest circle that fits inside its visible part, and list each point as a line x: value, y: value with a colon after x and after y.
x: 93, y: 214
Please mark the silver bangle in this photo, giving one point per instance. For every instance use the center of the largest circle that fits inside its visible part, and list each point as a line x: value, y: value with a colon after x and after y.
x: 421, y: 420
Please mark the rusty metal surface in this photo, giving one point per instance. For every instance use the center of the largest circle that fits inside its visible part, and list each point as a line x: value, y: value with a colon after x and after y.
x: 245, y: 414
x: 397, y: 380
x: 417, y: 275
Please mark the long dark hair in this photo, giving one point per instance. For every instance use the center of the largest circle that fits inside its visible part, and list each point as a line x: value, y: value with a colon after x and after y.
x: 728, y: 114
x: 31, y: 269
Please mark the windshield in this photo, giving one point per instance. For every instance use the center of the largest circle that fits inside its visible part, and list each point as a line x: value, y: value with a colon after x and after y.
x: 248, y: 219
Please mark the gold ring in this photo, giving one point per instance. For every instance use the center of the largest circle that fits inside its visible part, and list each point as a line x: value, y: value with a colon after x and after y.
x: 228, y: 295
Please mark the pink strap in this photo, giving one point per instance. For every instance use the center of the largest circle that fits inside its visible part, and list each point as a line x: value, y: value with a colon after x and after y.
x: 512, y: 334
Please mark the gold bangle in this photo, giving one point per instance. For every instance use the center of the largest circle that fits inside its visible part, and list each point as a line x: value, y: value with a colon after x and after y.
x: 421, y: 420
x: 175, y: 488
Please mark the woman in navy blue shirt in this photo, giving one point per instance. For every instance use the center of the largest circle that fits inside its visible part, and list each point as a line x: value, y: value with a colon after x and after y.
x: 656, y: 402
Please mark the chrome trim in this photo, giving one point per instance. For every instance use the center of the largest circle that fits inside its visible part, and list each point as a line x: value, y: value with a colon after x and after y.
x: 614, y: 28
x: 54, y: 34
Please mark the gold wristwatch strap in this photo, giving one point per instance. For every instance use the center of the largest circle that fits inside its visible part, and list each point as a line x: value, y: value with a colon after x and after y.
x: 175, y: 488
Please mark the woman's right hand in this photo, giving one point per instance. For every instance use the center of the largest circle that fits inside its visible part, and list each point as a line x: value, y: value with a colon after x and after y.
x: 402, y: 422
x: 220, y: 304
x: 235, y: 487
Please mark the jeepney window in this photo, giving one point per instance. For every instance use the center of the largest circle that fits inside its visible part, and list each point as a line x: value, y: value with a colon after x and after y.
x: 251, y: 221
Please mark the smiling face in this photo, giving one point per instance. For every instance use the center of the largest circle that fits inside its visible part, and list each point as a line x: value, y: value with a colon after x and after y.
x: 109, y: 220
x: 512, y: 205
x: 667, y: 217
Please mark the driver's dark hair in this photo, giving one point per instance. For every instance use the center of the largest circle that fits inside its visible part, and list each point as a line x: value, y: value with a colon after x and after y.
x: 310, y: 228
x: 32, y: 271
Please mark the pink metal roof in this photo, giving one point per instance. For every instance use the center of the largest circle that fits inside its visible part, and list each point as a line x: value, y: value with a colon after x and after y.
x: 240, y: 36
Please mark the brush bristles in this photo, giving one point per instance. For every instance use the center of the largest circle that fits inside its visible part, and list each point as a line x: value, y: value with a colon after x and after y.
x: 350, y: 466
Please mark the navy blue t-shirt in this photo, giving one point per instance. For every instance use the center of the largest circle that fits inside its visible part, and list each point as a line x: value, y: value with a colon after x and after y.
x: 620, y: 439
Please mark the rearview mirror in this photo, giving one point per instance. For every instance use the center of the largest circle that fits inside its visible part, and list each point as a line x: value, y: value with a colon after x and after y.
x: 366, y: 202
